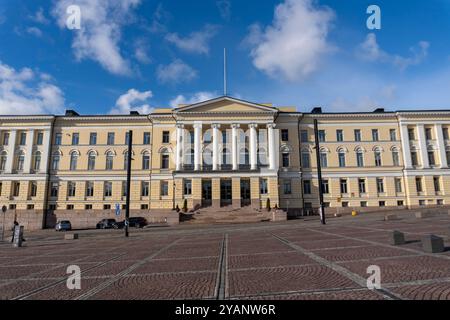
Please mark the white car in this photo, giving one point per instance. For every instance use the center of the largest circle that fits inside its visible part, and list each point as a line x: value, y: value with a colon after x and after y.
x: 63, y: 225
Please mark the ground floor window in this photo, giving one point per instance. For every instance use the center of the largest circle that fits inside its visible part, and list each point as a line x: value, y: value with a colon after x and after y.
x: 144, y: 206
x: 400, y: 203
x: 263, y: 186
x: 287, y: 189
x: 187, y: 187
x: 382, y: 203
x: 88, y: 207
x: 164, y: 188
x: 421, y: 203
x: 363, y: 204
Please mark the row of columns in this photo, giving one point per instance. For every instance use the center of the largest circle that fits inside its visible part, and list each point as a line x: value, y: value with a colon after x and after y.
x: 423, y: 145
x: 234, y: 146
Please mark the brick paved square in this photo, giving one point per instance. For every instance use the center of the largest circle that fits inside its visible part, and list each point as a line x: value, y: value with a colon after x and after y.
x: 178, y: 265
x: 359, y: 253
x: 274, y: 259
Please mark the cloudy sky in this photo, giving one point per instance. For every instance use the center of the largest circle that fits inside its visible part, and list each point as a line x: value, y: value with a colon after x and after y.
x: 143, y: 54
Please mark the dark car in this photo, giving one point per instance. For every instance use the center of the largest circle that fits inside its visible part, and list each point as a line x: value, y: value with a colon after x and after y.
x: 136, y: 222
x: 106, y: 224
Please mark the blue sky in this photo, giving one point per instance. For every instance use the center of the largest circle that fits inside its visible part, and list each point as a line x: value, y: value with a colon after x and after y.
x: 144, y: 54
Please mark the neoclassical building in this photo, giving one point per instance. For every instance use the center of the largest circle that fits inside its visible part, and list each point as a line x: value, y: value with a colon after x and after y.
x: 222, y: 154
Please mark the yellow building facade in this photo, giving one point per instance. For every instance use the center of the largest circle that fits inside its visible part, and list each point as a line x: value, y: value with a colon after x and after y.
x: 222, y: 154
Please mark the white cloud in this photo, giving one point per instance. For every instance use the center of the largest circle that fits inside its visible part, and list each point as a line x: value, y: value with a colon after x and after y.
x: 133, y: 100
x: 196, y: 97
x: 175, y: 72
x: 160, y: 19
x: 39, y: 17
x: 195, y: 42
x: 370, y: 50
x: 28, y: 92
x: 100, y: 33
x: 293, y: 44
x: 224, y: 7
x: 141, y: 49
x: 34, y: 31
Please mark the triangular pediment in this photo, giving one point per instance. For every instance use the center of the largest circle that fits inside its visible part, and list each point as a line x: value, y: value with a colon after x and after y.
x: 225, y: 105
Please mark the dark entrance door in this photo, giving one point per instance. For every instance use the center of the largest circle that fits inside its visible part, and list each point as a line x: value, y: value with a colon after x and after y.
x: 245, y: 192
x: 206, y: 193
x: 225, y: 192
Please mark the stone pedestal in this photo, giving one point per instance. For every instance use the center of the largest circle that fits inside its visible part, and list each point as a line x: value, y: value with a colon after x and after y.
x: 397, y: 238
x: 432, y: 244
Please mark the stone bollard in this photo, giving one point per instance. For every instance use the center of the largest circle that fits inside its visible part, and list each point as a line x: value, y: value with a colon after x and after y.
x: 390, y: 217
x: 397, y: 238
x: 432, y: 244
x: 71, y: 236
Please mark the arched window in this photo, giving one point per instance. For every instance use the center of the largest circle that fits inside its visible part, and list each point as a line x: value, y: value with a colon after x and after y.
x: 306, y: 159
x: 244, y: 158
x: 377, y: 156
x: 207, y: 157
x: 395, y: 157
x: 207, y: 136
x: 341, y: 156
x: 145, y: 160
x: 262, y: 157
x: 55, y: 161
x: 20, y: 161
x: 189, y: 157
x: 164, y: 158
x: 226, y: 157
x: 109, y: 160
x: 359, y: 158
x: 323, y: 158
x: 37, y: 161
x: 91, y: 160
x: 73, y: 161
x: 3, y: 158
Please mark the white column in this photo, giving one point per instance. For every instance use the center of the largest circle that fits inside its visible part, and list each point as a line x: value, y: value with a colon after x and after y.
x: 234, y: 145
x: 179, y: 147
x: 405, y: 146
x: 45, y: 155
x: 11, y: 151
x: 29, y: 151
x: 197, y: 145
x: 216, y: 137
x: 441, y: 146
x: 271, y: 142
x: 423, y: 146
x: 253, y: 146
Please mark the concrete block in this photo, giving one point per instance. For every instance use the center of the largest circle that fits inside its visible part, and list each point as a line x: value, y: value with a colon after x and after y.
x: 390, y: 217
x: 432, y: 244
x: 71, y: 236
x: 397, y: 238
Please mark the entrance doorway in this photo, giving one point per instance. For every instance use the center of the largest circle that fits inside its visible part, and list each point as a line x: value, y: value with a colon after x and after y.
x: 225, y: 192
x: 245, y: 192
x: 206, y: 193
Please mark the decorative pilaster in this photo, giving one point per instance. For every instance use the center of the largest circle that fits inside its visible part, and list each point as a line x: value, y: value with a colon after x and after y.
x: 423, y: 146
x: 179, y: 147
x: 441, y: 146
x: 271, y: 141
x: 216, y: 135
x: 253, y: 146
x: 234, y: 146
x: 197, y: 145
x: 405, y: 146
x: 11, y: 151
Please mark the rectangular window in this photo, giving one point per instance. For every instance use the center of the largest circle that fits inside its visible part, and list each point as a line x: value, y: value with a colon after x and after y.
x: 88, y: 207
x: 393, y: 134
x: 419, y: 185
x: 448, y: 157
x: 428, y: 134
x: 363, y: 204
x: 165, y: 137
x: 52, y: 207
x: 164, y: 188
x: 411, y: 134
x: 398, y: 185
x: 362, y: 185
x: 75, y: 138
x: 322, y: 136
x: 285, y: 158
x: 93, y: 138
x: 55, y: 162
x: 400, y: 203
x: 54, y: 188
x: 325, y: 187
x: 445, y: 133
x: 375, y: 135
x: 33, y: 189
x: 146, y: 161
x: 343, y: 186
x: 58, y: 138
x: 395, y: 158
x: 23, y: 138
x: 145, y: 188
x: 305, y: 160
x: 440, y: 202
x: 110, y: 139
x: 263, y: 186
x: 1, y: 188
x: 124, y: 188
x: 339, y: 135
x: 414, y: 158
x: 422, y: 203
x: 40, y: 138
x: 70, y: 207
x: 431, y: 158
x: 6, y: 138
x: 380, y: 185
x: 357, y: 135
x: 307, y: 186
x: 90, y: 189
x: 287, y: 187
x: 377, y: 158
x: 284, y: 135
x: 323, y: 160
x: 187, y: 187
x: 344, y: 204
x: 304, y: 136
x: 341, y: 156
x: 437, y: 184
x: 146, y: 138
x: 144, y: 206
x: 107, y: 190
x: 165, y: 161
x: 382, y: 203
x: 359, y: 159
x: 71, y: 189
x: 106, y: 207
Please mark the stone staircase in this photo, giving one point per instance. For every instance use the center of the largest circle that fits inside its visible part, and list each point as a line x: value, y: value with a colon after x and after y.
x: 225, y: 215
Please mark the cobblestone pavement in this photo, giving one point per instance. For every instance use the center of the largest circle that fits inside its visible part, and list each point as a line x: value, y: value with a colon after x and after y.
x: 300, y: 260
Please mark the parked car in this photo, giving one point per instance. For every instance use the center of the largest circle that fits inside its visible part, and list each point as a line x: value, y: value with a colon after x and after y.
x: 106, y: 224
x: 136, y: 222
x: 63, y: 225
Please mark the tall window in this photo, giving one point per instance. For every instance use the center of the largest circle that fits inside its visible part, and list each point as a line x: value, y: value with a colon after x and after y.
x: 23, y: 138
x: 343, y: 186
x: 164, y: 161
x: 20, y: 161
x: 55, y: 162
x: 398, y: 185
x: 284, y: 135
x: 3, y: 158
x: 16, y: 189
x: 75, y: 138
x: 73, y: 161
x: 431, y: 158
x: 375, y: 135
x: 89, y: 189
x: 323, y: 159
x: 58, y: 139
x: 54, y: 188
x: 419, y: 184
x: 263, y: 186
x: 110, y: 139
x: 395, y: 158
x: 127, y: 137
x: 262, y: 157
x: 339, y: 135
x: 146, y: 138
x: 187, y: 186
x: 287, y: 187
x: 380, y: 185
x: 146, y: 161
x: 362, y: 185
x: 306, y: 163
x: 109, y: 160
x: 304, y: 136
x: 411, y: 134
x: 445, y: 133
x: 341, y: 156
x: 322, y: 136
x: 414, y: 158
x: 37, y: 162
x: 164, y: 188
x: 393, y: 134
x: 244, y: 157
x: 91, y: 160
x: 93, y: 138
x: 307, y: 186
x: 145, y: 189
x: 165, y: 137
x: 357, y: 135
x: 377, y: 154
x: 6, y: 138
x: 285, y: 158
x: 437, y: 184
x: 428, y: 134
x: 71, y: 189
x: 325, y: 186
x: 40, y: 138
x: 189, y: 157
x: 124, y: 188
x: 107, y: 190
x: 226, y: 156
x: 359, y: 158
x: 33, y: 189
